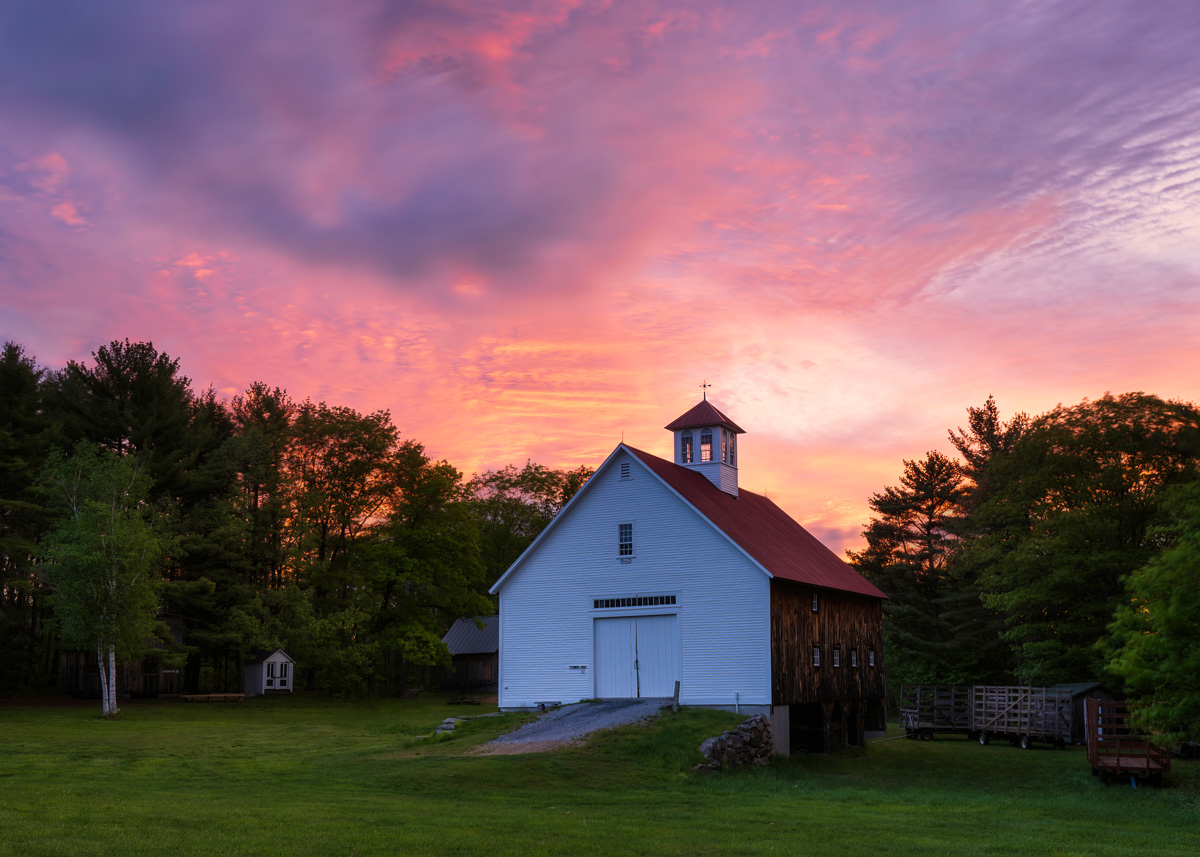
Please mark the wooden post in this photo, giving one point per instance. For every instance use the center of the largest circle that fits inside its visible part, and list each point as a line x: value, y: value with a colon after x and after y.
x: 675, y: 703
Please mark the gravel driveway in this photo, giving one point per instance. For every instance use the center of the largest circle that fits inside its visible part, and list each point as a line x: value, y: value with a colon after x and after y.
x: 562, y: 725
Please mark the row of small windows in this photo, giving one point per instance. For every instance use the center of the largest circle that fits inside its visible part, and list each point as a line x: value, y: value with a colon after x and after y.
x: 728, y: 450
x: 635, y: 601
x: 837, y: 657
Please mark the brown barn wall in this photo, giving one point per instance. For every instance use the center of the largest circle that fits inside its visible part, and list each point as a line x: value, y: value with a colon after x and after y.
x: 842, y: 620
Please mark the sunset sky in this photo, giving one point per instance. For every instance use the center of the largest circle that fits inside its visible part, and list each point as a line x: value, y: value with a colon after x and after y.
x: 529, y: 227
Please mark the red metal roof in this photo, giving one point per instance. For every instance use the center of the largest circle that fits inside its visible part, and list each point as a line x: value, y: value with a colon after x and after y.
x: 763, y: 530
x: 704, y: 414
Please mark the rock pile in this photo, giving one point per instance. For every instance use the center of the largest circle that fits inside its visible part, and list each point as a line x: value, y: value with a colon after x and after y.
x: 750, y: 743
x: 450, y: 723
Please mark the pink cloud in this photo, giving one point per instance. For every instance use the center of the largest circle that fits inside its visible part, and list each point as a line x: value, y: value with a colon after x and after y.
x: 528, y: 229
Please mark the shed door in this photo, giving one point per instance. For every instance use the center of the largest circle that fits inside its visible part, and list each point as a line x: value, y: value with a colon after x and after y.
x: 636, y: 656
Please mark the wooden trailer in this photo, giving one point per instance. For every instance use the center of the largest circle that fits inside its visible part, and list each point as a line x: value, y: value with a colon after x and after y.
x: 929, y: 709
x: 1114, y: 750
x: 1021, y: 714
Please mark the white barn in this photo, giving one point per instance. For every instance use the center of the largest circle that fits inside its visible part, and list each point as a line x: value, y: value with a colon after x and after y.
x: 659, y: 571
x: 270, y: 672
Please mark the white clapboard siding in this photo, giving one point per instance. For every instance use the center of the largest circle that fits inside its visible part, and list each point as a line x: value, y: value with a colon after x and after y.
x: 547, y: 615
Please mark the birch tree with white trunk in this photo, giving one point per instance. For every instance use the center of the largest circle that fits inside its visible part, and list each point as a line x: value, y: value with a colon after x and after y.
x: 103, y: 559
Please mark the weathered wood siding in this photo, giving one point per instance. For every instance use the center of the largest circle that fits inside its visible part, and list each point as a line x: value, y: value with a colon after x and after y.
x: 844, y: 621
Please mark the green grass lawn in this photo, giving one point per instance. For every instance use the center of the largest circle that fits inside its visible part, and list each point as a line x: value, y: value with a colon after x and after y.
x: 283, y: 776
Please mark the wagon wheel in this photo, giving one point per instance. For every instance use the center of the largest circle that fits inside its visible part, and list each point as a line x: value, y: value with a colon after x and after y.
x: 984, y: 738
x: 926, y: 734
x: 1025, y: 742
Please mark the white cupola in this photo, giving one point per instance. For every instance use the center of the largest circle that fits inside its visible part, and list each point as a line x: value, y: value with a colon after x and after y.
x: 706, y: 440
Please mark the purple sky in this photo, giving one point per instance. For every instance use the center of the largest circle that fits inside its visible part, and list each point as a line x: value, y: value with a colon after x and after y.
x: 526, y: 228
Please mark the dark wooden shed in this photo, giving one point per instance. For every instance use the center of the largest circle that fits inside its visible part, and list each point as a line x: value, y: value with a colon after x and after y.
x: 475, y: 652
x: 1080, y: 692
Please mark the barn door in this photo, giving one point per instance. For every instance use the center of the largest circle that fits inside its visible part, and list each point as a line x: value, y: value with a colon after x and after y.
x: 636, y: 656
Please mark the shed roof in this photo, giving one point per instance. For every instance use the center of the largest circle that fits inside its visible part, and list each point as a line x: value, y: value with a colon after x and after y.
x: 1079, y: 688
x: 703, y: 414
x: 262, y: 655
x: 466, y: 638
x: 763, y: 530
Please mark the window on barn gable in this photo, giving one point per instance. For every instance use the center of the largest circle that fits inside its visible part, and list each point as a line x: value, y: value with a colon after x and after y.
x: 837, y: 656
x: 706, y: 445
x: 816, y: 656
x: 685, y: 452
x: 853, y: 658
x: 870, y: 657
x: 816, y: 602
x: 625, y: 539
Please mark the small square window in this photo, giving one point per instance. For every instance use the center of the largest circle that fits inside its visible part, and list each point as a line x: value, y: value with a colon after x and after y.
x: 816, y: 656
x: 837, y: 656
x: 853, y: 658
x: 816, y: 602
x: 624, y: 539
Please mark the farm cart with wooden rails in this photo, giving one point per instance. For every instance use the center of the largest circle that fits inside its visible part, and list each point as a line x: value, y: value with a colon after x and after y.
x: 1021, y: 714
x: 1114, y: 750
x: 926, y: 709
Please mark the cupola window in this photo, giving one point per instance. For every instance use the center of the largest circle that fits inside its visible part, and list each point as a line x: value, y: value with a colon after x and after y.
x: 725, y: 446
x: 685, y: 448
x: 706, y: 449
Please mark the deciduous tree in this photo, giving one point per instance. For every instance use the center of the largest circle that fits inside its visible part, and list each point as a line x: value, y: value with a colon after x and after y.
x: 1067, y: 515
x: 1155, y: 642
x: 104, y: 557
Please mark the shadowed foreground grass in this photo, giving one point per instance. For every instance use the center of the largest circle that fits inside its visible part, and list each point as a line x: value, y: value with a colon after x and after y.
x: 292, y: 776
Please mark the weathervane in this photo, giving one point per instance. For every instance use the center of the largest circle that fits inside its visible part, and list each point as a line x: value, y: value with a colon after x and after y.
x: 704, y: 386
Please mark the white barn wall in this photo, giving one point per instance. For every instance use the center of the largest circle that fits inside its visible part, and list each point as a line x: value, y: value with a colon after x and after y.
x: 546, y: 604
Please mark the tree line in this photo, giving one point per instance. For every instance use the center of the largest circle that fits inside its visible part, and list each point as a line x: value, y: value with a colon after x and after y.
x: 128, y: 501
x: 1061, y: 547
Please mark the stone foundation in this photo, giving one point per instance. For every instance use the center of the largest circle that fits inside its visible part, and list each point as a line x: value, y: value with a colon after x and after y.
x: 750, y: 743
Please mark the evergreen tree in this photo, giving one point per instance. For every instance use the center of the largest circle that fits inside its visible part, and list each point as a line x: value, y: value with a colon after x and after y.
x: 25, y: 437
x: 928, y: 622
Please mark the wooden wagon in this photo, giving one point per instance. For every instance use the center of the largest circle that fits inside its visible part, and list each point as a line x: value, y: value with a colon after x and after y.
x: 929, y: 709
x: 1021, y: 714
x: 1114, y: 750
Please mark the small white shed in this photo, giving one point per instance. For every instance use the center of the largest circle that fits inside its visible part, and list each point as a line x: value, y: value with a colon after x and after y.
x: 270, y: 672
